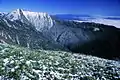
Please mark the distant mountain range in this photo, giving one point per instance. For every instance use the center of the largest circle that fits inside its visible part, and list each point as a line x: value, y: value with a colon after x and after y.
x: 107, y: 20
x: 38, y: 30
x: 77, y: 17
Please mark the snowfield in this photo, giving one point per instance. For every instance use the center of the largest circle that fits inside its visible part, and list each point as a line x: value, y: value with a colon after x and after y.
x: 18, y: 63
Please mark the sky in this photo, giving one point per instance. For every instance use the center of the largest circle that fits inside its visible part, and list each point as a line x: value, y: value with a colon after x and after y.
x: 89, y: 7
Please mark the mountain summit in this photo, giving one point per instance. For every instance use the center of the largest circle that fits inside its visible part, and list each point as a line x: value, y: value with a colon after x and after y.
x: 40, y: 30
x: 40, y: 20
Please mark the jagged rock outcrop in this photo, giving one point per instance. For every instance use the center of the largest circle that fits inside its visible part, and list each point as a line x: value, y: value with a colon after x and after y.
x: 41, y: 21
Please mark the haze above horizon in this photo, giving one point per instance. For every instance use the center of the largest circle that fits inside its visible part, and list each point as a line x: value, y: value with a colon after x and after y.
x: 89, y: 7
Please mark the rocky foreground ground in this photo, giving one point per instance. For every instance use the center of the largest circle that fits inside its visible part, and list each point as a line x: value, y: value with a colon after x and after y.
x: 18, y: 63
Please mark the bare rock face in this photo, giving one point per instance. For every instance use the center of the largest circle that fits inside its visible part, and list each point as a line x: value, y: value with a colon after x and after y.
x: 41, y: 30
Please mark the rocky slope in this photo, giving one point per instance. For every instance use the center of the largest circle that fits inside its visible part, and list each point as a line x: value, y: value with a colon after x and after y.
x: 24, y: 35
x: 40, y: 30
x: 18, y: 63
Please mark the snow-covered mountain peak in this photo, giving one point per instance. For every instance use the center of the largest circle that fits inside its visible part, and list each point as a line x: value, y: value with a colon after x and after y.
x: 15, y: 15
x: 29, y: 13
x: 40, y: 20
x: 2, y: 14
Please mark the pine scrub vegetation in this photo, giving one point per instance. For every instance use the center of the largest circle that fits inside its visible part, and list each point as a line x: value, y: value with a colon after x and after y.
x: 18, y: 63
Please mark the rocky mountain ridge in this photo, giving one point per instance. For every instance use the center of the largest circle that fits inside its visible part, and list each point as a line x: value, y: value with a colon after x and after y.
x: 41, y: 30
